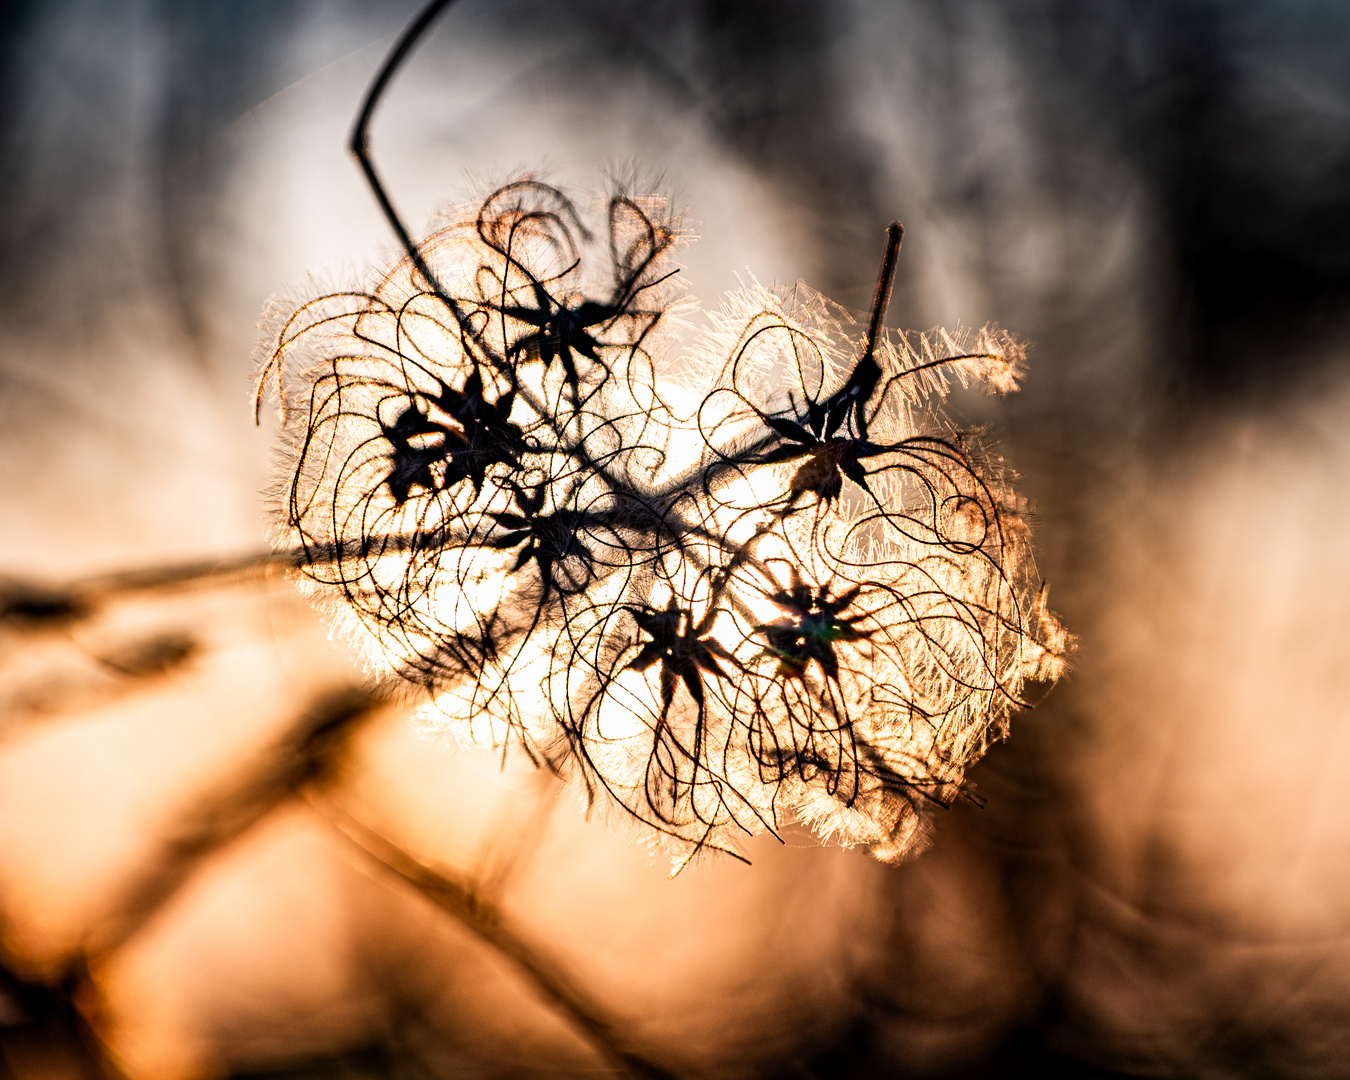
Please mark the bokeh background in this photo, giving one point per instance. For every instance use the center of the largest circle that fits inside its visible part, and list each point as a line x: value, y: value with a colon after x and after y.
x: 220, y: 856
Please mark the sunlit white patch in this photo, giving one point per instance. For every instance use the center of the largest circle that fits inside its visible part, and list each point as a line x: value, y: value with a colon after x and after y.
x: 630, y: 697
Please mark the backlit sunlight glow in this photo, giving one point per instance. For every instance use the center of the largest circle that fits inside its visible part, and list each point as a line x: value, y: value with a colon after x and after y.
x: 760, y: 580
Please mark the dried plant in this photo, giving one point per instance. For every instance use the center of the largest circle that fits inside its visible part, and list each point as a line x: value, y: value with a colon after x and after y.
x: 760, y: 579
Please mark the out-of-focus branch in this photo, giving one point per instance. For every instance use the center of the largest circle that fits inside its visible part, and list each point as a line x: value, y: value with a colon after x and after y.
x: 50, y: 692
x: 44, y: 1034
x: 304, y: 753
x: 42, y: 1020
x: 485, y: 920
x: 300, y: 760
x: 29, y: 605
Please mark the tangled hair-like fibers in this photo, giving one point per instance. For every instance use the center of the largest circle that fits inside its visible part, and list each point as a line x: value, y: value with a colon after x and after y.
x: 768, y: 580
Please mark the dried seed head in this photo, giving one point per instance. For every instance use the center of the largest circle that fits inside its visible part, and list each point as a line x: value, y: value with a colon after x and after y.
x: 800, y: 594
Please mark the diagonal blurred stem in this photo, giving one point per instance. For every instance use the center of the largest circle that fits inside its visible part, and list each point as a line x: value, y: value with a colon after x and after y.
x: 29, y: 606
x: 304, y: 753
x: 45, y: 1028
x: 50, y: 1008
x: 484, y: 919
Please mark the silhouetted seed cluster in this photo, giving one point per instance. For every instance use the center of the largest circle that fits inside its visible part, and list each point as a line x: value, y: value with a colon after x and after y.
x: 765, y: 579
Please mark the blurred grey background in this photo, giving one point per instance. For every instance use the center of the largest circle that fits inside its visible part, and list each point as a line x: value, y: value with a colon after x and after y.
x: 1155, y: 194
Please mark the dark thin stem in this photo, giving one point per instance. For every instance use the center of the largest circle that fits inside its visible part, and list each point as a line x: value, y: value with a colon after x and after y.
x: 360, y: 147
x: 895, y: 232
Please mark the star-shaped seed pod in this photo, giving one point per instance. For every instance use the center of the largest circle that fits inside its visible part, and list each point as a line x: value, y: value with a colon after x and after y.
x: 412, y: 456
x: 561, y: 332
x: 682, y: 647
x: 470, y: 435
x: 547, y: 539
x: 830, y: 457
x: 814, y: 623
